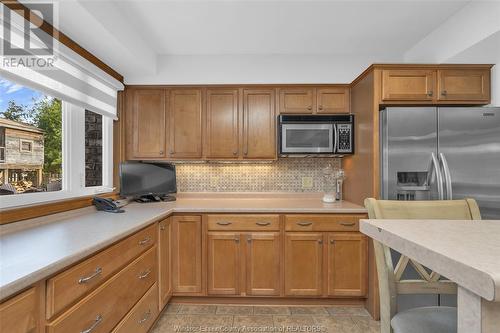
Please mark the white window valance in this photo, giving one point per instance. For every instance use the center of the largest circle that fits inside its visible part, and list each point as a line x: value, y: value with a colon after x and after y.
x: 71, y: 78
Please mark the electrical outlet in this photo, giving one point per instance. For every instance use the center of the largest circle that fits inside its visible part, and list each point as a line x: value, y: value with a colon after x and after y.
x: 307, y: 182
x: 214, y: 181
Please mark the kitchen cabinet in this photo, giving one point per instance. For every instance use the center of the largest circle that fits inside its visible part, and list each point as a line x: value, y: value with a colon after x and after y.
x: 224, y: 263
x: 303, y: 264
x: 185, y: 122
x: 297, y: 100
x: 263, y: 264
x: 347, y: 264
x: 21, y: 314
x: 408, y: 85
x: 165, y: 261
x: 464, y: 84
x: 187, y: 254
x: 222, y: 127
x: 259, y: 124
x: 148, y: 121
x: 332, y: 100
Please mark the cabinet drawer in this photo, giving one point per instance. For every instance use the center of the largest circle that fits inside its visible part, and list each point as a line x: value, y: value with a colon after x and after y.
x: 20, y: 314
x: 142, y: 315
x: 104, y: 307
x: 70, y: 285
x: 243, y: 222
x: 322, y: 222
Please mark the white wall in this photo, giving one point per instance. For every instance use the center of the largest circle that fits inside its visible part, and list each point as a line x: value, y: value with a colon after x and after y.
x: 249, y: 69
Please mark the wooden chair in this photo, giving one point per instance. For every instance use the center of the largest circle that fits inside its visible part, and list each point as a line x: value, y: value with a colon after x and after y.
x: 432, y: 319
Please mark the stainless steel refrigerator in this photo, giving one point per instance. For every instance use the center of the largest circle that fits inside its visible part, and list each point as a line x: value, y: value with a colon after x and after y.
x: 432, y: 153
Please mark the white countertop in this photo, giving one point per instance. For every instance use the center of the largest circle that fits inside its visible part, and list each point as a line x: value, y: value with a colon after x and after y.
x: 466, y: 252
x: 33, y: 250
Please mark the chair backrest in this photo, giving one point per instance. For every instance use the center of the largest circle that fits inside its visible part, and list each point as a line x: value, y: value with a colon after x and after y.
x: 389, y: 276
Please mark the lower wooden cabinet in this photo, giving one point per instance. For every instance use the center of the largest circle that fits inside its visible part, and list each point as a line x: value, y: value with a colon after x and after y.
x: 187, y: 254
x: 347, y: 264
x: 224, y: 262
x: 164, y: 261
x: 263, y: 263
x: 21, y: 314
x: 303, y: 264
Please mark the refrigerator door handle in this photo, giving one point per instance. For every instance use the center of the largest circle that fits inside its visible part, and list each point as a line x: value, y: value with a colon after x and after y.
x: 447, y: 176
x: 434, y: 166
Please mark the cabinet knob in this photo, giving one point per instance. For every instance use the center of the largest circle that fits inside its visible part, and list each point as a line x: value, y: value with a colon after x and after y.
x: 430, y: 93
x: 320, y: 107
x: 235, y: 152
x: 249, y: 239
x: 236, y: 240
x: 171, y: 151
x: 309, y: 108
x: 444, y: 93
x: 161, y: 152
x: 320, y: 241
x: 332, y: 241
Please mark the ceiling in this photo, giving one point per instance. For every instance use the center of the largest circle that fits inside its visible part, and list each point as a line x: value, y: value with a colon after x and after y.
x: 131, y: 35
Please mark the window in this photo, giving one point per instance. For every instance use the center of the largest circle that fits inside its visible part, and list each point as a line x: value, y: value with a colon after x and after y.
x: 50, y: 149
x: 26, y: 146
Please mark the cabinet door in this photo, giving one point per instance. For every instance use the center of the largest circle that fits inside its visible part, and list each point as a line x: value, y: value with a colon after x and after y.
x: 222, y: 124
x: 165, y: 261
x: 333, y: 100
x: 186, y: 254
x: 297, y: 100
x: 464, y: 85
x: 303, y: 264
x: 224, y: 263
x: 259, y: 124
x: 21, y: 314
x: 408, y: 85
x: 185, y: 123
x: 148, y: 124
x: 347, y: 264
x: 263, y: 264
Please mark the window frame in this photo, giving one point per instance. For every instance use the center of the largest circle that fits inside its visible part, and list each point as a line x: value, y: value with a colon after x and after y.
x: 73, y: 162
x: 30, y: 142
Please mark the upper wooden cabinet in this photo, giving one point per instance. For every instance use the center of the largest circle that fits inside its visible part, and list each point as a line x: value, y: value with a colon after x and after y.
x: 464, y: 84
x: 408, y: 85
x: 439, y: 84
x: 332, y: 100
x: 185, y: 124
x: 148, y: 120
x: 222, y: 129
x: 297, y: 100
x: 259, y: 124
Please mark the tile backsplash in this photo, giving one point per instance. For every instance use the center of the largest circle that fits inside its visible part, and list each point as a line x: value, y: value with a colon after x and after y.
x: 284, y: 175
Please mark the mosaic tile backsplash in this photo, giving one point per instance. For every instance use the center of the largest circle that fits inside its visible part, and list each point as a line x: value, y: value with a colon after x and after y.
x: 284, y: 175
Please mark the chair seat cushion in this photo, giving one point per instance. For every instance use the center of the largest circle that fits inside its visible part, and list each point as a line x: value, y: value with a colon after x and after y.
x: 431, y: 319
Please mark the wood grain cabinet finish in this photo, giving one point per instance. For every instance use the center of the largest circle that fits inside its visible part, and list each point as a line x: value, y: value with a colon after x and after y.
x: 243, y: 222
x: 107, y: 305
x: 303, y: 264
x: 185, y: 121
x: 263, y: 263
x: 332, y: 100
x: 187, y: 254
x: 148, y: 120
x: 259, y: 124
x: 297, y: 100
x: 408, y: 85
x: 464, y: 85
x: 224, y: 263
x: 322, y: 222
x: 164, y: 261
x: 222, y: 127
x: 143, y: 314
x: 21, y: 314
x: 70, y: 285
x: 347, y: 264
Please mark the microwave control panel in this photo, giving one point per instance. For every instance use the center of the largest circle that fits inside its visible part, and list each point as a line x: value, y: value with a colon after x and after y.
x: 344, y: 137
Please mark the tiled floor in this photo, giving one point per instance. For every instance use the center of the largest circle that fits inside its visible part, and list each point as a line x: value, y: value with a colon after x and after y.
x: 239, y: 319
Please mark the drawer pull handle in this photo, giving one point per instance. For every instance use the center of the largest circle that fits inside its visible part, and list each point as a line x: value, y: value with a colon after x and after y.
x: 263, y: 223
x: 144, y: 274
x: 224, y: 223
x: 162, y: 227
x: 97, y: 272
x: 97, y: 321
x: 347, y: 224
x: 304, y: 224
x: 145, y: 241
x: 145, y: 317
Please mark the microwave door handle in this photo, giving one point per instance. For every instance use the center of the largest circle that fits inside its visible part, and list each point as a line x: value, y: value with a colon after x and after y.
x: 434, y: 169
x: 336, y: 138
x: 447, y: 176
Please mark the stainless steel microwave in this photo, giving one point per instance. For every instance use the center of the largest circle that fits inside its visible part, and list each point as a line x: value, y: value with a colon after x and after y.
x: 316, y: 135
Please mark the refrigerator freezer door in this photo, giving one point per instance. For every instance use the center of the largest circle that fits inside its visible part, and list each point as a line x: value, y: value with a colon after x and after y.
x: 408, y: 140
x: 469, y: 139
